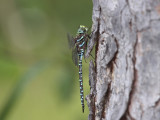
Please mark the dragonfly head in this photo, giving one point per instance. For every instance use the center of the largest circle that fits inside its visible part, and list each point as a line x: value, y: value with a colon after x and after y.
x: 82, y: 29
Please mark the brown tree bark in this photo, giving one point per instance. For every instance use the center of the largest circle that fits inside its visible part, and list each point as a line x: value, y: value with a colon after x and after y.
x: 125, y: 79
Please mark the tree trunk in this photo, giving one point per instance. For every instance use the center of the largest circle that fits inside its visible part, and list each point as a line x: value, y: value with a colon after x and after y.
x: 125, y: 79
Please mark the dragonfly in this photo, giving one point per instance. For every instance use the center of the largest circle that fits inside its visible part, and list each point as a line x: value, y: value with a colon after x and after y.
x: 78, y: 46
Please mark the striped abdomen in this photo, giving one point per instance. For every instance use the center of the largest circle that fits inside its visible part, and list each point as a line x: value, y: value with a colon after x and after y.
x: 80, y: 78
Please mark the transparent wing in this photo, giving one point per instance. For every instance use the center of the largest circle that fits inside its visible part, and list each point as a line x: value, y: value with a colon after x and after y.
x: 75, y: 56
x: 86, y: 41
x: 71, y: 41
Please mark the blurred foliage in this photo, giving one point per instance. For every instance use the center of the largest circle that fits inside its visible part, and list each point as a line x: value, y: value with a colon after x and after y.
x: 19, y: 88
x: 33, y: 31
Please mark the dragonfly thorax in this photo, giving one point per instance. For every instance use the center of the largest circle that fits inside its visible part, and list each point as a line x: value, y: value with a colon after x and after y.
x: 80, y: 41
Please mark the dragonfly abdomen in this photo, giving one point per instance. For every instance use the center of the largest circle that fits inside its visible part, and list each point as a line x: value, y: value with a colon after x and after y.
x: 80, y: 78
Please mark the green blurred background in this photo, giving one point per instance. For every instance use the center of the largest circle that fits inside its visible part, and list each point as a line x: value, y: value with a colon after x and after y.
x: 38, y: 80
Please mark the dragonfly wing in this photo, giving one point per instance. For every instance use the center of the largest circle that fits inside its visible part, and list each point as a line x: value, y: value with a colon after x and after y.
x: 75, y: 56
x: 85, y: 45
x: 71, y: 41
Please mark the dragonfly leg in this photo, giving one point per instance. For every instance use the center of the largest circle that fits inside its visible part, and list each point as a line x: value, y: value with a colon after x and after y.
x: 85, y: 60
x: 91, y: 55
x: 90, y: 35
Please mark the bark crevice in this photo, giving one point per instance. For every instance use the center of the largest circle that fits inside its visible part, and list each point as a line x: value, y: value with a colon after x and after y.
x: 110, y: 66
x: 91, y: 97
x: 157, y: 103
x: 133, y: 86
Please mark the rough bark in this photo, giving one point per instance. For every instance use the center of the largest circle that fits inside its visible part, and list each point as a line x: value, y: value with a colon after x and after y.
x: 125, y: 80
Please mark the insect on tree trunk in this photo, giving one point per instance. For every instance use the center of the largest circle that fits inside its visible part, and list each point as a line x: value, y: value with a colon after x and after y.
x: 125, y: 79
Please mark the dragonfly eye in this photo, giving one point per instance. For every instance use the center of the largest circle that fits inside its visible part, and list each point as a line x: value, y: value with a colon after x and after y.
x: 80, y: 31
